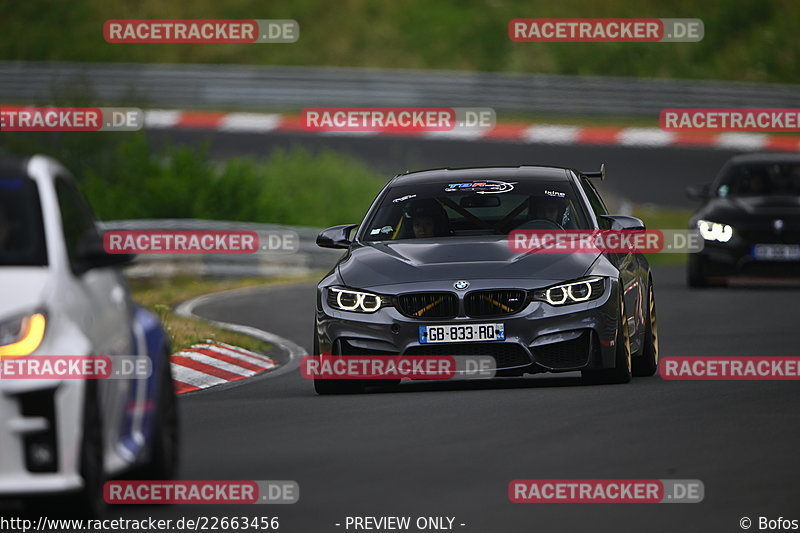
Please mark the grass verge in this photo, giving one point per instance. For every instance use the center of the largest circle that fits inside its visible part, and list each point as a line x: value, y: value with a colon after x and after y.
x: 162, y: 295
x: 663, y: 218
x: 124, y: 177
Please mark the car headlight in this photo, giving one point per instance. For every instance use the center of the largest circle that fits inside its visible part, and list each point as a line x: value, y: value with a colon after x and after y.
x: 573, y: 292
x: 21, y: 335
x: 714, y: 231
x: 357, y: 301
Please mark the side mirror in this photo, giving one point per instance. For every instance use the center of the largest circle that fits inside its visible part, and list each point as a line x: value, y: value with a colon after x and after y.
x: 698, y: 192
x: 624, y: 222
x: 90, y: 254
x: 336, y: 237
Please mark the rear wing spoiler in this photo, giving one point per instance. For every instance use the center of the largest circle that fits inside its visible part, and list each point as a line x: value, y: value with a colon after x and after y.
x: 597, y: 174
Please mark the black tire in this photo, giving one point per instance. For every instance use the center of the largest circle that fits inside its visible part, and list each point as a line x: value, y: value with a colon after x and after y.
x: 621, y: 373
x: 695, y: 272
x: 646, y: 363
x: 338, y: 386
x: 162, y: 462
x: 325, y: 387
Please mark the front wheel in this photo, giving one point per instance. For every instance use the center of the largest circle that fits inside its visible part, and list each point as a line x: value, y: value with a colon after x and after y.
x: 325, y: 387
x: 646, y: 363
x: 621, y: 373
x: 163, y: 460
x: 695, y: 272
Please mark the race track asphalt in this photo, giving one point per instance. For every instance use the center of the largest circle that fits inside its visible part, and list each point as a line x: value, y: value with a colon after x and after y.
x: 450, y: 449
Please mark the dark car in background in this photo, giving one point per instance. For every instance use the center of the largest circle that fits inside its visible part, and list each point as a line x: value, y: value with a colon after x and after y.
x: 749, y: 220
x: 430, y: 272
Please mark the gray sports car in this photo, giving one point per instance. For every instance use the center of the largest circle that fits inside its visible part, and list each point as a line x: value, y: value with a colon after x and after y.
x: 430, y: 272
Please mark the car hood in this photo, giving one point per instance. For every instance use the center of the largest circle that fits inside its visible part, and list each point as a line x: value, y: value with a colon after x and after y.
x: 385, y: 263
x: 23, y: 289
x: 732, y: 209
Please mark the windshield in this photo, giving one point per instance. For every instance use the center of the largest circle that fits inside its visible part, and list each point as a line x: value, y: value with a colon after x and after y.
x: 22, y: 240
x: 760, y: 179
x: 474, y: 207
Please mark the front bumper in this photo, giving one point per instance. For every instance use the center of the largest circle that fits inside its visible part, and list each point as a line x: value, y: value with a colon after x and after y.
x: 735, y: 259
x: 538, y: 338
x: 40, y: 413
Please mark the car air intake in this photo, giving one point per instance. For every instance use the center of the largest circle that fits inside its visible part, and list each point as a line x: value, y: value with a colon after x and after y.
x: 494, y: 302
x: 428, y: 305
x: 563, y: 355
x: 41, y: 447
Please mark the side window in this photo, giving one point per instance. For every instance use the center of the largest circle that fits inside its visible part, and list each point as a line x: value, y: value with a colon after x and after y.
x: 596, y: 202
x: 76, y: 218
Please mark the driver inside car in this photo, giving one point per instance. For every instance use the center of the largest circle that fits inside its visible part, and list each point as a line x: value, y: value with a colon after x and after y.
x: 428, y: 219
x: 551, y: 209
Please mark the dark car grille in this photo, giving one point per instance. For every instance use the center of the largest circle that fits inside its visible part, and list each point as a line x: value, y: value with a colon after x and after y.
x: 764, y: 232
x: 506, y: 354
x: 574, y: 353
x: 428, y: 305
x: 494, y: 302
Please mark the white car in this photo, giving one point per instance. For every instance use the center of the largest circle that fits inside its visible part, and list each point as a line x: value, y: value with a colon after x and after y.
x: 62, y: 295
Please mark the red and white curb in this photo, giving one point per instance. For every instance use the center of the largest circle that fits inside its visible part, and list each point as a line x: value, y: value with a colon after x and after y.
x: 508, y: 132
x: 208, y: 364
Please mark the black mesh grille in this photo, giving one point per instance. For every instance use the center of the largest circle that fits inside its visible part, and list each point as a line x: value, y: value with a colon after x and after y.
x: 428, y: 305
x: 506, y: 354
x: 494, y: 302
x: 345, y: 348
x: 574, y: 353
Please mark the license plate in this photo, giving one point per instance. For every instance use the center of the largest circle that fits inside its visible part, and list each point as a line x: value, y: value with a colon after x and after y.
x: 777, y: 252
x: 462, y: 333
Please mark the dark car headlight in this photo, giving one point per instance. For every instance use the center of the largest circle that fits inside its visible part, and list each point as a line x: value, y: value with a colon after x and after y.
x: 356, y: 301
x: 573, y: 292
x: 715, y: 231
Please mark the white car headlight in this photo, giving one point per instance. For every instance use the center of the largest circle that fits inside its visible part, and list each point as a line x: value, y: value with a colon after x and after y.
x: 714, y: 231
x: 21, y: 335
x: 573, y: 292
x: 357, y: 301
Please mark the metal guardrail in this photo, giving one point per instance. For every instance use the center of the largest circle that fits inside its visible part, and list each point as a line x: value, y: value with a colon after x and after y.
x: 263, y: 88
x: 306, y: 259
